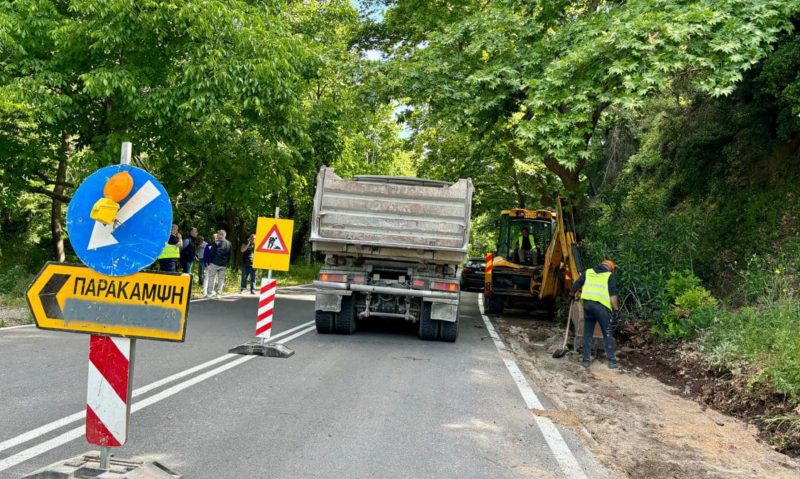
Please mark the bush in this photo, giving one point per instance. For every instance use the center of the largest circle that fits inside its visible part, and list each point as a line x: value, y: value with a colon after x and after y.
x: 692, y: 309
x: 763, y: 336
x: 14, y: 283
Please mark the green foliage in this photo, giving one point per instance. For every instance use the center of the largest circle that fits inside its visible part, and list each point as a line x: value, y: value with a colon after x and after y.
x: 14, y: 282
x: 534, y: 81
x: 692, y: 308
x: 765, y: 338
x: 299, y: 273
x: 233, y: 105
x: 681, y: 283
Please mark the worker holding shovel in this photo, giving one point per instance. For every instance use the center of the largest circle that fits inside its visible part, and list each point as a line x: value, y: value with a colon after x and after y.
x: 598, y: 293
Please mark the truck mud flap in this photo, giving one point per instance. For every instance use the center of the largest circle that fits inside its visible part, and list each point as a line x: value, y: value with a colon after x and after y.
x: 330, y: 301
x: 444, y: 311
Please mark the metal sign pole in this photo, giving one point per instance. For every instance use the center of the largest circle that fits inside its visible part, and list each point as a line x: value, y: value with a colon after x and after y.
x: 105, y: 451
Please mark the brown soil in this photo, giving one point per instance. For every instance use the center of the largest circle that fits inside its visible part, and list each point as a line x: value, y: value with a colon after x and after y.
x: 638, y: 426
x: 725, y: 390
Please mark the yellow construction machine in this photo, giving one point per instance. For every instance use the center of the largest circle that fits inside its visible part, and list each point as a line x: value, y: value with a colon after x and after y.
x: 532, y: 269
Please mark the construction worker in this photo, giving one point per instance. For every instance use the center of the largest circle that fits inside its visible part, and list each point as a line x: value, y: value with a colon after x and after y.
x: 168, y: 259
x: 598, y: 293
x: 524, y: 244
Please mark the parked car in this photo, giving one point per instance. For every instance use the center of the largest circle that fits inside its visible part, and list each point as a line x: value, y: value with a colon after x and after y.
x: 472, y: 274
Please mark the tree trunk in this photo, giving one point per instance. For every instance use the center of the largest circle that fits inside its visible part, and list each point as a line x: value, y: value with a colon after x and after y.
x: 570, y: 177
x: 56, y: 211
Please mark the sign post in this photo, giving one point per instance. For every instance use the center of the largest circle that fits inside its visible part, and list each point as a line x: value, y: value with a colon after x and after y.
x: 274, y: 240
x: 118, y: 221
x: 117, y: 368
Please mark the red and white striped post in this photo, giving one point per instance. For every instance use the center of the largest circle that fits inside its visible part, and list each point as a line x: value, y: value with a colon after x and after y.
x: 109, y: 393
x: 266, y: 305
x: 266, y: 302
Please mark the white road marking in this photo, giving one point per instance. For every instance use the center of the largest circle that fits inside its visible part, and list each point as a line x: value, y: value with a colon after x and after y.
x: 559, y: 448
x: 17, y: 327
x: 70, y: 435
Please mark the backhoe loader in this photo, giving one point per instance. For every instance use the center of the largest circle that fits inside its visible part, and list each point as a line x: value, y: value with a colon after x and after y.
x: 535, y: 276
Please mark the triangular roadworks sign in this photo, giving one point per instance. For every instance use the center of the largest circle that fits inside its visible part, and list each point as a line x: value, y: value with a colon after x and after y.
x: 273, y: 243
x: 274, y: 240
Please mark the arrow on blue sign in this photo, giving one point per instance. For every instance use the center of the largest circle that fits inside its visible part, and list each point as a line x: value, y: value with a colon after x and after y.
x: 102, y: 234
x: 136, y: 237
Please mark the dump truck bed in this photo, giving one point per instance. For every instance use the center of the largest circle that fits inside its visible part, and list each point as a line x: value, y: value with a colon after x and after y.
x: 391, y: 217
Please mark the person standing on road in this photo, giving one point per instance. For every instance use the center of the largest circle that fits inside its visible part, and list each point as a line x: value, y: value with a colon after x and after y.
x: 247, y: 264
x: 220, y: 255
x: 188, y: 251
x: 168, y: 259
x: 200, y: 250
x: 598, y: 293
x: 206, y: 260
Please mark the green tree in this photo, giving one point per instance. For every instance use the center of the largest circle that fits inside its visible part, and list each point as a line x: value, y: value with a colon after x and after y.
x: 542, y: 77
x: 207, y: 91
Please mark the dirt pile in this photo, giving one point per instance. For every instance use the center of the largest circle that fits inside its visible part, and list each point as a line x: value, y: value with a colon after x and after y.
x: 636, y: 425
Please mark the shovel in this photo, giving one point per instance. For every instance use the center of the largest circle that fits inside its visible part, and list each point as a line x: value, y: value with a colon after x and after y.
x: 560, y: 352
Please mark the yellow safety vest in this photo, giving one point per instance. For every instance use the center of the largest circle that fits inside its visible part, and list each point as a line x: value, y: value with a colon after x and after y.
x: 170, y: 251
x: 530, y: 238
x: 595, y: 288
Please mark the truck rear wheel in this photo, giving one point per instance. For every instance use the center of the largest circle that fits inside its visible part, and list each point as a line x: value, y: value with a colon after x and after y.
x: 428, y: 328
x: 449, y: 331
x: 324, y: 321
x: 345, y: 321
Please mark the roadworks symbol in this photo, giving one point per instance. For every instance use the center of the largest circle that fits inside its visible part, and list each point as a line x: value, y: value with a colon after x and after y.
x: 273, y: 243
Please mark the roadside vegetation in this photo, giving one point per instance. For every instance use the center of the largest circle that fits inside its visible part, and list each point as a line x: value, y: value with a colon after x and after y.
x: 702, y: 215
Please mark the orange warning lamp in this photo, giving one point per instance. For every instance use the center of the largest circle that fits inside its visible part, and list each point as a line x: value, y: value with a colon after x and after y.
x: 117, y: 188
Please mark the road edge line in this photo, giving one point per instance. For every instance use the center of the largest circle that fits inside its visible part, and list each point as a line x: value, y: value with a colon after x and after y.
x: 555, y: 441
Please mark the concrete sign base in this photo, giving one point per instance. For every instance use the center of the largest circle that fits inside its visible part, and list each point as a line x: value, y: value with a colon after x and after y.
x: 256, y: 348
x: 88, y: 466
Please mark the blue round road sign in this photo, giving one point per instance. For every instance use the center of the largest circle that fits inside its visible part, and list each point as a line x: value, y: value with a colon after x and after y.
x: 137, y: 235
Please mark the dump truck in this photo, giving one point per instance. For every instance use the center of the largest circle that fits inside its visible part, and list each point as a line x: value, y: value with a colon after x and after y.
x: 532, y: 277
x: 392, y: 246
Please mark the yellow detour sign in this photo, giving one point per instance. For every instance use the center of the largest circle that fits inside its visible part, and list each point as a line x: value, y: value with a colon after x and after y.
x: 273, y: 244
x: 143, y: 305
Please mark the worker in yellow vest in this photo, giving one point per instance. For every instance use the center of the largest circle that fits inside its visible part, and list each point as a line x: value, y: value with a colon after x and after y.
x: 524, y: 246
x: 598, y: 293
x: 168, y: 259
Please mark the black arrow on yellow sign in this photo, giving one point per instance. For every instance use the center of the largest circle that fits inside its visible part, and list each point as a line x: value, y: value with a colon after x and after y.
x: 48, y: 295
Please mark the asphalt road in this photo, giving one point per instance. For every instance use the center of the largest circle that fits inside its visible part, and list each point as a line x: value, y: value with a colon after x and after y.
x: 380, y: 403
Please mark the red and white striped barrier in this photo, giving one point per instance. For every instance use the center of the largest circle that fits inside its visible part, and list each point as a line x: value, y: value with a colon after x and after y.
x: 266, y: 304
x: 108, y: 400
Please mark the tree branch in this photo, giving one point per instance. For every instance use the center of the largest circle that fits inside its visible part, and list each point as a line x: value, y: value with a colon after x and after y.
x: 50, y: 194
x: 48, y: 181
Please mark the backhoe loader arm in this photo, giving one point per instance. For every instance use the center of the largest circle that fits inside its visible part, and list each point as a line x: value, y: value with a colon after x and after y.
x: 562, y: 256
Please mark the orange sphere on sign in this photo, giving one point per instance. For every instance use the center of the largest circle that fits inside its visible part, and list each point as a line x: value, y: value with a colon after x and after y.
x: 118, y: 187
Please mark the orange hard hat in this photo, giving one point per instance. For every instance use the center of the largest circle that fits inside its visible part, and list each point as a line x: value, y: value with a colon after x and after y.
x: 610, y: 264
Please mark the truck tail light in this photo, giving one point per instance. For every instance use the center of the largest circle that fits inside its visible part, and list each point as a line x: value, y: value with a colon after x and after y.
x: 442, y: 286
x: 333, y: 278
x: 418, y: 283
x: 359, y: 279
